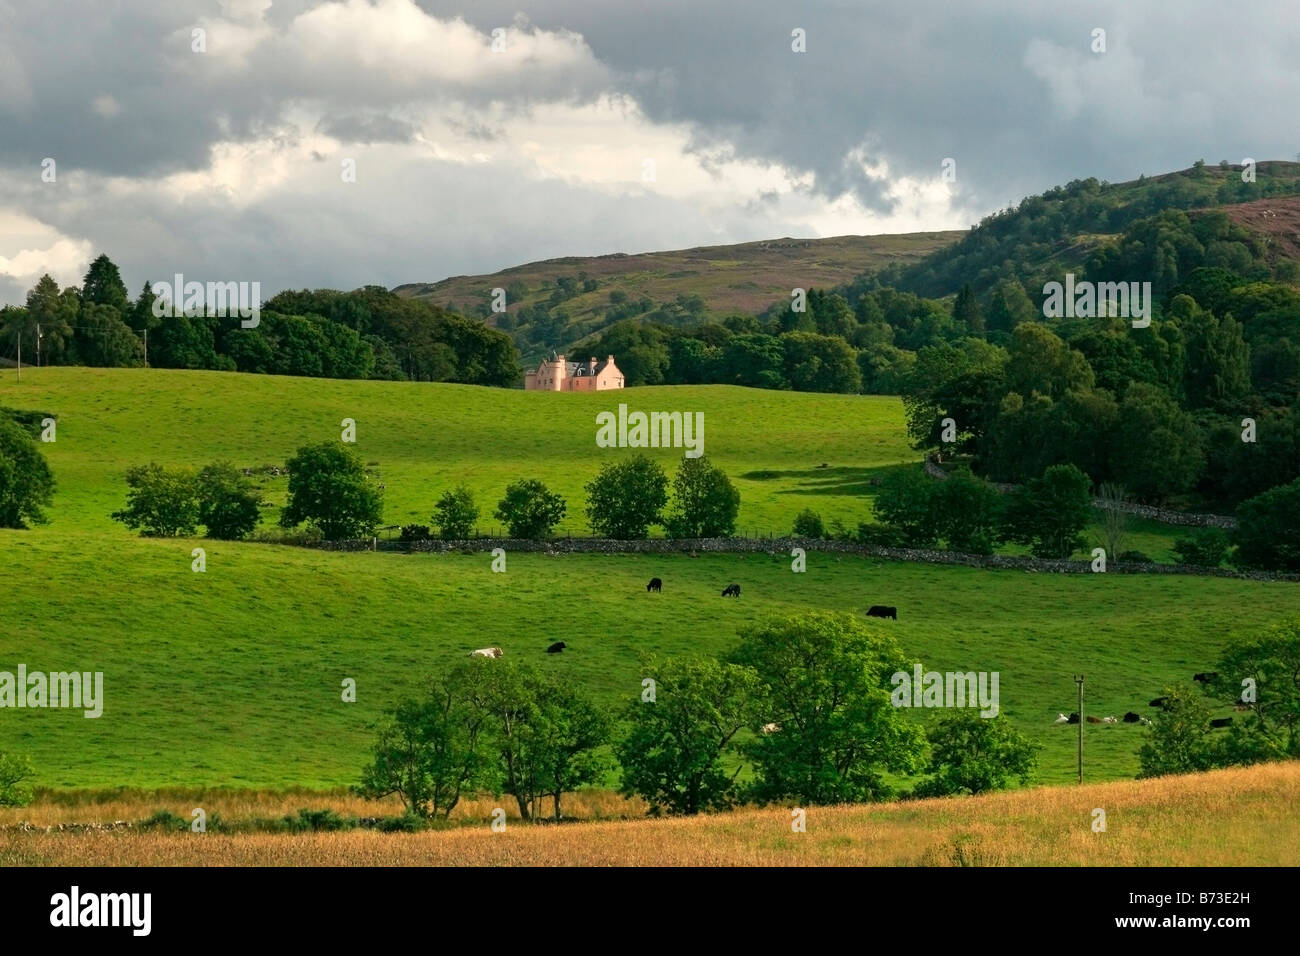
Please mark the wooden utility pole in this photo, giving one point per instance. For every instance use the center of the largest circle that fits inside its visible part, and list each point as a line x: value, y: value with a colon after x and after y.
x: 38, y: 345
x: 20, y: 355
x: 1078, y: 679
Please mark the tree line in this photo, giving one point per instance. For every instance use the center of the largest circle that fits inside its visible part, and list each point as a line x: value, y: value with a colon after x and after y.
x: 367, y: 333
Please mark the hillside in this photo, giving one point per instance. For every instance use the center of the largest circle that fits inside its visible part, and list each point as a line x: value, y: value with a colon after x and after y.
x: 231, y: 677
x: 746, y: 278
x: 1049, y: 234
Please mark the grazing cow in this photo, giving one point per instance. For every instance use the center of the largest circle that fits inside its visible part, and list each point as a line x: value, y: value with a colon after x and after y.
x: 731, y: 590
x: 1205, y: 678
x: 1221, y: 722
x: 1073, y: 718
x: 487, y: 652
x: 1160, y: 702
x: 655, y: 585
x: 771, y: 728
x: 1061, y: 719
x: 1093, y: 720
x: 1110, y: 720
x: 1132, y: 718
x: 556, y: 647
x: 881, y: 610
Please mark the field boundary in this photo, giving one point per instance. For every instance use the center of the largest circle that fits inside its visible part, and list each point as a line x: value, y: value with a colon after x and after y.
x: 783, y: 546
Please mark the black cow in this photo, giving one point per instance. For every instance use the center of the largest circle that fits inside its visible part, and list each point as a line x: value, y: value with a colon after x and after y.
x: 731, y: 590
x: 1131, y: 718
x: 1205, y: 678
x: 1160, y: 702
x: 1221, y: 722
x: 556, y: 647
x: 881, y: 610
x: 655, y: 585
x: 1074, y: 718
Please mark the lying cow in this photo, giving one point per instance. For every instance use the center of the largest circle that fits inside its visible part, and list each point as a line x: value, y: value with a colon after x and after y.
x: 557, y: 647
x: 487, y: 652
x: 1206, y: 677
x: 731, y: 590
x: 1093, y: 720
x: 654, y: 585
x: 881, y: 610
x: 1110, y: 720
x: 1132, y: 718
x: 1061, y: 719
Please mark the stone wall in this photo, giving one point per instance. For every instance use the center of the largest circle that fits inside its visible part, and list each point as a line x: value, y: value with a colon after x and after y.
x: 783, y: 546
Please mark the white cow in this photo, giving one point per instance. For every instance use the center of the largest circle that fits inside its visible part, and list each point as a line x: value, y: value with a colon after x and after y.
x: 1061, y: 719
x: 487, y: 652
x: 1110, y: 720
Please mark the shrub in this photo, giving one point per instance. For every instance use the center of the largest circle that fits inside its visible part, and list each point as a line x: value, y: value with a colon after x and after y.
x: 530, y: 510
x: 1048, y: 513
x: 1206, y: 549
x: 808, y: 524
x: 14, y: 769
x: 1134, y: 557
x: 626, y: 498
x: 407, y: 823
x: 879, y: 536
x: 1268, y: 529
x: 455, y: 514
x: 161, y: 502
x: 415, y: 532
x: 705, y: 503
x: 26, y: 483
x: 228, y: 503
x: 329, y: 490
x: 972, y: 754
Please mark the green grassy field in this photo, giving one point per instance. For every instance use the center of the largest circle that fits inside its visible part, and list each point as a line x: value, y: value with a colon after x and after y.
x: 233, y: 677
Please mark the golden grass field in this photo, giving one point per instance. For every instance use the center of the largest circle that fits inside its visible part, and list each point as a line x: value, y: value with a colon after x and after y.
x: 1239, y: 817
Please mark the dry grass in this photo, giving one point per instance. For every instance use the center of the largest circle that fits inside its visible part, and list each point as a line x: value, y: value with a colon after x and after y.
x: 1226, y: 818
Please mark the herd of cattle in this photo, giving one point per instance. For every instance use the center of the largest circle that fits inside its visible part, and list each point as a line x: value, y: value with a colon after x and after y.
x: 657, y: 585
x: 1161, y: 702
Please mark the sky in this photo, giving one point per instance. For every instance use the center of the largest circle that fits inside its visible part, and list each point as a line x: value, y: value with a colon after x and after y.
x: 335, y: 144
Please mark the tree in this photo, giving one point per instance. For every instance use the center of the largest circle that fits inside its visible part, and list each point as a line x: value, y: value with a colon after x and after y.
x: 161, y: 503
x: 26, y: 483
x: 14, y: 769
x: 1217, y: 357
x: 530, y: 510
x: 328, y: 488
x: 103, y: 285
x: 966, y: 310
x: 972, y: 754
x: 626, y: 498
x: 104, y: 340
x: 1268, y: 529
x: 672, y: 755
x: 1009, y: 306
x: 820, y: 363
x: 968, y: 513
x: 1180, y: 740
x: 429, y: 750
x: 705, y: 503
x: 825, y: 681
x: 808, y: 524
x: 1157, y: 448
x: 1114, y: 520
x: 1039, y: 361
x: 228, y: 503
x: 906, y: 502
x: 1270, y: 663
x: 1048, y: 513
x: 455, y: 514
x: 1206, y: 549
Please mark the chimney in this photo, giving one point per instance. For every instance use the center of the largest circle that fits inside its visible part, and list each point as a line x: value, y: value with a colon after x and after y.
x: 592, y: 367
x: 611, y: 360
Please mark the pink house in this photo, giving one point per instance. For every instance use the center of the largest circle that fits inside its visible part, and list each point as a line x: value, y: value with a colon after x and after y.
x: 557, y: 375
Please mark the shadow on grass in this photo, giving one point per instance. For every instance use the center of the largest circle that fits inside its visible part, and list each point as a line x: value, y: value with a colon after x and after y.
x: 863, y: 482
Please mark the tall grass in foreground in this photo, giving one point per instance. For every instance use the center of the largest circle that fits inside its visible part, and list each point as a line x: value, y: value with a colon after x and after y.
x: 1239, y: 817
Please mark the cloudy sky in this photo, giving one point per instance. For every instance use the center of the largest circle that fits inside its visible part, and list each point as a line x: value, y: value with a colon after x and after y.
x: 593, y: 127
